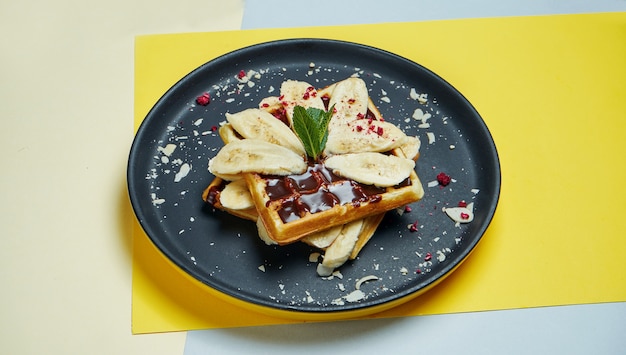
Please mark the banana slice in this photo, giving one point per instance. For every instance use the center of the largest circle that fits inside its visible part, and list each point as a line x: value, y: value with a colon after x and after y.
x: 270, y: 104
x: 411, y: 147
x: 263, y: 232
x: 350, y: 97
x: 259, y: 124
x: 370, y: 224
x: 255, y: 156
x: 339, y: 252
x: 371, y: 168
x: 228, y: 133
x: 299, y: 93
x: 363, y: 136
x: 323, y: 238
x: 236, y: 196
x: 327, y: 91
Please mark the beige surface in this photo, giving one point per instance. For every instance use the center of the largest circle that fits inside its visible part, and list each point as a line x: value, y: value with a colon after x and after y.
x: 66, y: 110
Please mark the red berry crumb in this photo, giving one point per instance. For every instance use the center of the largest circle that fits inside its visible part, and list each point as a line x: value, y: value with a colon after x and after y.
x: 407, y: 208
x: 413, y: 227
x: 241, y: 74
x: 213, y: 128
x: 428, y: 257
x: 462, y: 203
x: 203, y: 99
x: 464, y: 215
x: 443, y: 179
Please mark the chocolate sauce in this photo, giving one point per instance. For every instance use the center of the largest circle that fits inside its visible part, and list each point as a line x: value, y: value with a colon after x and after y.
x: 214, y: 191
x: 316, y: 190
x: 281, y: 114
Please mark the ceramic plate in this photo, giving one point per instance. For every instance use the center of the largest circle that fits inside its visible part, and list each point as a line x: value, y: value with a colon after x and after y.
x: 167, y: 172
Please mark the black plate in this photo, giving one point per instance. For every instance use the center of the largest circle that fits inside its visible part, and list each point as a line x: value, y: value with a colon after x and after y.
x: 225, y: 253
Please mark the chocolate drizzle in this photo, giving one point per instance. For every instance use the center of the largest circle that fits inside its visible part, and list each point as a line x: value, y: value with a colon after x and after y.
x: 316, y: 190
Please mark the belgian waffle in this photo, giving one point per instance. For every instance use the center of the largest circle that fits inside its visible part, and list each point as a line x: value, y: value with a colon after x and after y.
x: 294, y: 206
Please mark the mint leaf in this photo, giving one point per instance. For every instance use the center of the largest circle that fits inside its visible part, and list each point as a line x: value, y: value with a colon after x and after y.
x: 311, y: 126
x: 304, y: 126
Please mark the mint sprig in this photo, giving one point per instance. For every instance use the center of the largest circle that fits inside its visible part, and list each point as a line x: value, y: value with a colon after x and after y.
x: 311, y: 126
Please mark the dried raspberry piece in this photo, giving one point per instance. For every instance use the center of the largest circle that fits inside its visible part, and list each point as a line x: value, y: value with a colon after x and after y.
x: 413, y: 227
x: 203, y: 99
x: 428, y: 256
x: 241, y: 74
x: 407, y: 208
x: 462, y: 203
x: 443, y: 179
x: 464, y: 215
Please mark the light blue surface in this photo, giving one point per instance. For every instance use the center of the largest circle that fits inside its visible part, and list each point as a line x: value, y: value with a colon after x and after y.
x: 280, y: 13
x: 580, y: 329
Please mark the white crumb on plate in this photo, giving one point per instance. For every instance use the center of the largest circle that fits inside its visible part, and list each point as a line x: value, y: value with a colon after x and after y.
x: 431, y: 137
x: 337, y: 302
x: 309, y: 298
x: 156, y: 200
x: 432, y: 183
x: 168, y: 149
x: 354, y: 296
x: 364, y: 279
x: 183, y: 172
x: 461, y: 214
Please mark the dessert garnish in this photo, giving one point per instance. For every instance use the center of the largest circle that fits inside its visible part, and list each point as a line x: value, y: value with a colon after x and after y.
x: 311, y: 126
x: 315, y: 166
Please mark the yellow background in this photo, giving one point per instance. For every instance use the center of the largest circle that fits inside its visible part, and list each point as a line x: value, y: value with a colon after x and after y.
x: 552, y: 92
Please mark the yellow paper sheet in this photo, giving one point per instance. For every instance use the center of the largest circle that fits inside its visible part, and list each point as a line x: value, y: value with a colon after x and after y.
x: 552, y: 92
